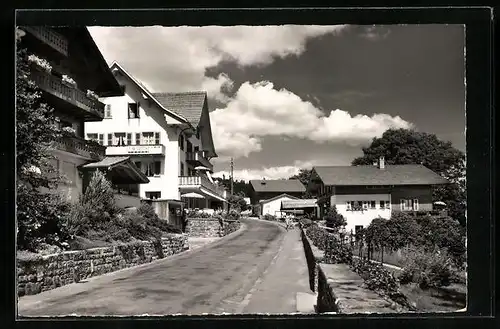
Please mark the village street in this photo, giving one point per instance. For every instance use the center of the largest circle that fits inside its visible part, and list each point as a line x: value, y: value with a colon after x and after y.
x: 213, y: 279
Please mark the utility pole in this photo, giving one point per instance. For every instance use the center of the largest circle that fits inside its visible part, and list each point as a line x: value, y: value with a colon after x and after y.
x: 232, y: 165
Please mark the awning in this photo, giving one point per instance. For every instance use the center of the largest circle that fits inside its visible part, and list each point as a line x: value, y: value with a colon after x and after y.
x: 121, y: 169
x: 192, y: 195
x: 298, y: 204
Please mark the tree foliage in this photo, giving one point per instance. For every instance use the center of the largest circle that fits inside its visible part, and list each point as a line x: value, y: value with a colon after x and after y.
x: 237, y: 202
x: 39, y: 214
x: 334, y: 219
x: 403, y: 146
x: 304, y: 175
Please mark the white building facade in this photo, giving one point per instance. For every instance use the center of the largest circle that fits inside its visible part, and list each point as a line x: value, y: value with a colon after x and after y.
x: 168, y: 137
x: 272, y: 206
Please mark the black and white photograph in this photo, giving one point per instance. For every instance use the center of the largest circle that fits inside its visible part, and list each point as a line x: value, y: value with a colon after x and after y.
x: 272, y: 169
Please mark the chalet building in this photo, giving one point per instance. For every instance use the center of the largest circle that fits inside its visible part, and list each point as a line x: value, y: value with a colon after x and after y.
x: 169, y: 137
x: 272, y: 206
x: 362, y: 193
x: 264, y: 191
x: 71, y: 73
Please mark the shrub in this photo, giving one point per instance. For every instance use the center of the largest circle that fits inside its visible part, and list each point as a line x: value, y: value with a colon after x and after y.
x: 197, y: 214
x: 148, y: 213
x: 334, y: 219
x: 428, y: 269
x: 378, y: 279
x: 337, y: 252
x: 403, y: 230
x: 305, y: 222
x: 318, y: 236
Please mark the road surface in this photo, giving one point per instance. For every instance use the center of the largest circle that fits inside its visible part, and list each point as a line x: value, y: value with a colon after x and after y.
x: 213, y: 279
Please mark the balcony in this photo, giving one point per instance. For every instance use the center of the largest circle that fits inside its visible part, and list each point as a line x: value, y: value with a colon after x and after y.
x: 91, y: 108
x: 49, y: 37
x: 79, y: 146
x: 200, y: 181
x: 198, y: 159
x: 136, y: 150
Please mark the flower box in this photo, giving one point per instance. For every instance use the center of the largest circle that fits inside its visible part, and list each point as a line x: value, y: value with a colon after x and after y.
x: 68, y: 80
x: 92, y: 94
x: 68, y: 131
x: 40, y: 63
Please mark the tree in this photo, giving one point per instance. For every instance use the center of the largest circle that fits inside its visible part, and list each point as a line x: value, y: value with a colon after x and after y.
x: 237, y: 201
x: 334, y: 219
x: 304, y: 175
x: 39, y: 214
x: 403, y: 146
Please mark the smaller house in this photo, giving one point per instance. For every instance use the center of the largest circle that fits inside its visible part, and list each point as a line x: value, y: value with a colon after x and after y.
x: 266, y: 189
x: 300, y: 207
x: 272, y: 206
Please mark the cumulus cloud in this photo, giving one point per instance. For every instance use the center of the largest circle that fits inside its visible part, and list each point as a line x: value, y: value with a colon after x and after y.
x: 279, y: 172
x: 258, y: 110
x: 176, y: 58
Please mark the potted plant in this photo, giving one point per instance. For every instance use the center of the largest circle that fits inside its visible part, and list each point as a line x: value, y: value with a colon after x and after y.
x: 40, y: 63
x: 68, y: 80
x: 92, y: 94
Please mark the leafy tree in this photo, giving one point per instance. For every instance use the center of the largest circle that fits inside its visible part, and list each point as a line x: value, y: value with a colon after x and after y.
x: 403, y: 146
x: 237, y: 201
x: 39, y: 214
x: 304, y: 176
x: 403, y: 230
x: 334, y: 219
x: 377, y: 232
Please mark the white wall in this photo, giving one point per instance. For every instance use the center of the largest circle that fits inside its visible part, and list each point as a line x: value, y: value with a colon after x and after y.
x: 68, y: 166
x: 364, y: 217
x: 274, y: 207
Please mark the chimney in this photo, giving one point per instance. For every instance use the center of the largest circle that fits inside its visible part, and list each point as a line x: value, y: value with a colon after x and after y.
x: 381, y: 162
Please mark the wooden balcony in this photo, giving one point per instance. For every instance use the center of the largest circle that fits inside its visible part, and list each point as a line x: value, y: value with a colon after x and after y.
x: 200, y: 181
x: 81, y: 147
x: 90, y: 108
x: 49, y: 37
x: 158, y: 149
x: 198, y: 159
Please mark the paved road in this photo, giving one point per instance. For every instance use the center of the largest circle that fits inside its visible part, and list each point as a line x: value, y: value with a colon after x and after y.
x: 213, y: 279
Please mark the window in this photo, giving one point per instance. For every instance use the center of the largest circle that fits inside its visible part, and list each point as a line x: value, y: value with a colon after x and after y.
x: 365, y: 204
x: 409, y: 204
x: 157, y: 138
x: 372, y: 204
x: 182, y: 169
x: 148, y: 138
x: 189, y: 147
x: 119, y: 139
x: 138, y: 164
x: 137, y: 139
x: 348, y: 205
x: 153, y: 195
x: 69, y: 170
x: 133, y: 110
x: 196, y: 148
x: 107, y: 111
x: 382, y: 204
x: 153, y: 168
x: 129, y: 139
x: 101, y: 139
x: 181, y: 142
x: 92, y: 137
x: 110, y: 139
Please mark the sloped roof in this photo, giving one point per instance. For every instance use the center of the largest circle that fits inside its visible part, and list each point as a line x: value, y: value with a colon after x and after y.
x: 106, y: 162
x: 298, y: 204
x: 189, y: 105
x: 284, y: 195
x: 410, y: 174
x: 290, y: 185
x: 121, y: 167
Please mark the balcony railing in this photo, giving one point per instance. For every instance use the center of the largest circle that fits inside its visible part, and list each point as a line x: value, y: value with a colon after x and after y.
x: 136, y: 150
x: 49, y: 37
x: 55, y: 86
x: 81, y: 147
x: 198, y: 158
x: 197, y: 181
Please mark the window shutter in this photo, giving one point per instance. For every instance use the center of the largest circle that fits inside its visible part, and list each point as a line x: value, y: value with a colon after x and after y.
x: 129, y: 139
x: 137, y: 139
x: 157, y: 167
x: 348, y: 205
x: 101, y: 139
x: 130, y: 113
x: 157, y: 138
x: 138, y: 111
x: 110, y: 139
x: 107, y: 114
x: 415, y: 204
x: 402, y: 204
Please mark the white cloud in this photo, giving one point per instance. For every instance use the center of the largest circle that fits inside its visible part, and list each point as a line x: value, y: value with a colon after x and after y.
x: 176, y: 58
x: 279, y: 172
x: 259, y: 110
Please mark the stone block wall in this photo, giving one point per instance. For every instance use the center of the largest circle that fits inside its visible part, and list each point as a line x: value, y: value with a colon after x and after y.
x: 203, y: 227
x: 313, y: 257
x: 40, y: 273
x: 231, y: 226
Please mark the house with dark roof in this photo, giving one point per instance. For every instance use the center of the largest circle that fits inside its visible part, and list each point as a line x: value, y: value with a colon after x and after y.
x: 362, y: 193
x: 272, y: 206
x: 71, y: 73
x: 169, y: 137
x: 266, y: 189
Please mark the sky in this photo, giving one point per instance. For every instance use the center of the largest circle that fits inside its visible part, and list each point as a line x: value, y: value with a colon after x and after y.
x: 288, y: 97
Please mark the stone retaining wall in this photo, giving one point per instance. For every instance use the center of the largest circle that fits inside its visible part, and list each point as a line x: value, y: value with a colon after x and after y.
x: 210, y: 227
x: 40, y: 273
x: 313, y: 257
x: 341, y: 290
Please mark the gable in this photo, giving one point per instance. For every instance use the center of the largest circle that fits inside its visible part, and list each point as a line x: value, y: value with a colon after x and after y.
x: 283, y: 186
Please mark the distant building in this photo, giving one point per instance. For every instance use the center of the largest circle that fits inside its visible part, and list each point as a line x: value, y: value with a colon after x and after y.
x: 362, y: 193
x: 272, y: 206
x: 301, y: 207
x: 266, y: 189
